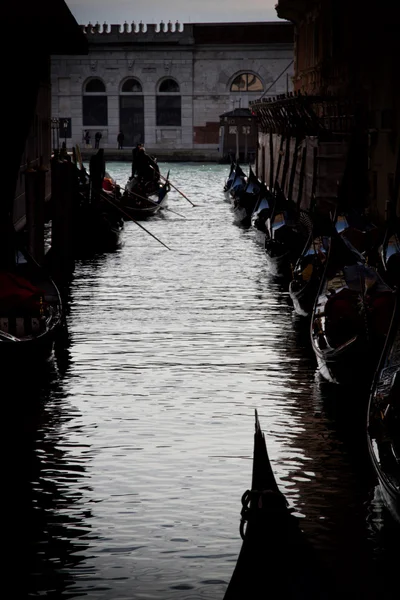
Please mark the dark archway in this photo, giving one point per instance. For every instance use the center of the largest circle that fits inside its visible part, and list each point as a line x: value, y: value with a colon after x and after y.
x: 131, y: 112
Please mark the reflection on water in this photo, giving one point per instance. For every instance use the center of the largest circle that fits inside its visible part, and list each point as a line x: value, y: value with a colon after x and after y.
x: 138, y: 444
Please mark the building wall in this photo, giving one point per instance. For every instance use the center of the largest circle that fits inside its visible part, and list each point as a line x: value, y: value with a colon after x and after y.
x: 37, y: 150
x: 350, y: 56
x: 204, y: 72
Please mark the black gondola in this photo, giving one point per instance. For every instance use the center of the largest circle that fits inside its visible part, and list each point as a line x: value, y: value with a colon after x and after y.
x: 309, y: 268
x: 141, y: 202
x: 383, y: 422
x: 390, y: 258
x: 389, y: 250
x: 357, y: 228
x: 287, y: 233
x: 239, y: 182
x: 230, y: 178
x: 30, y: 311
x: 261, y: 213
x: 351, y: 315
x: 97, y: 221
x: 274, y: 547
x: 244, y: 203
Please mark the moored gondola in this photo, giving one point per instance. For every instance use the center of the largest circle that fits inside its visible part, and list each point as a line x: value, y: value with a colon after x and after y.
x: 97, y: 222
x: 230, y: 178
x: 239, y: 182
x: 31, y: 312
x: 358, y: 229
x: 286, y: 234
x: 261, y: 213
x: 389, y: 250
x: 243, y: 204
x: 383, y: 421
x: 351, y: 315
x: 309, y: 267
x: 274, y: 554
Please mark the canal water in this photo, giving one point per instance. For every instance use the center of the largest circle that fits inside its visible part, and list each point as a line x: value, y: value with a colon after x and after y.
x: 138, y: 437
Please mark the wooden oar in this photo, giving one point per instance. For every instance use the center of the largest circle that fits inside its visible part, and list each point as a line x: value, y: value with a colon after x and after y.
x: 152, y: 201
x: 175, y: 188
x: 129, y: 217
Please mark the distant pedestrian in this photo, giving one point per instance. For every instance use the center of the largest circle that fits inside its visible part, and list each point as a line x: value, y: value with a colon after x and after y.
x: 97, y: 139
x: 120, y: 140
x: 87, y: 138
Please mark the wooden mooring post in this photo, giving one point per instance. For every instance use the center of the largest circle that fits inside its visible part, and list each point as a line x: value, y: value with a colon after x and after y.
x: 64, y: 193
x: 35, y: 189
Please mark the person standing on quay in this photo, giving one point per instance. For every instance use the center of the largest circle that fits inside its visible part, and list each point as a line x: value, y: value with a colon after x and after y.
x: 120, y: 140
x: 97, y: 138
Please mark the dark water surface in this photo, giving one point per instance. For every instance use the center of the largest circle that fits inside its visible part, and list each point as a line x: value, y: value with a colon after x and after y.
x: 138, y: 440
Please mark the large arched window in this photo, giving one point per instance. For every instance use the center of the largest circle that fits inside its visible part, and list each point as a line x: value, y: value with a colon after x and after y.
x: 247, y: 82
x: 131, y: 86
x: 168, y: 104
x: 131, y: 112
x: 94, y: 103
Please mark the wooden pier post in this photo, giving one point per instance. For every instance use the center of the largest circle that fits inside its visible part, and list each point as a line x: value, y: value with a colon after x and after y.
x: 35, y: 180
x: 63, y: 197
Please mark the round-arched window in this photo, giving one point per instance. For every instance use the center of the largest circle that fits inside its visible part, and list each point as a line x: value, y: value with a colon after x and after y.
x: 131, y: 86
x: 247, y: 82
x: 94, y: 104
x: 95, y: 86
x: 168, y: 106
x: 169, y: 86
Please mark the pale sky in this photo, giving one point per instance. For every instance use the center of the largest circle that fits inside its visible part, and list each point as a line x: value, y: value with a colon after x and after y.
x: 185, y: 11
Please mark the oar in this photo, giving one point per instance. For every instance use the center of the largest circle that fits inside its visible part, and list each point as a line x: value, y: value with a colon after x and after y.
x: 152, y: 201
x: 175, y: 188
x: 129, y: 217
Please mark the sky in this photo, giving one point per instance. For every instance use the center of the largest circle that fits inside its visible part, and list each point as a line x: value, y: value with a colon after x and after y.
x: 184, y: 11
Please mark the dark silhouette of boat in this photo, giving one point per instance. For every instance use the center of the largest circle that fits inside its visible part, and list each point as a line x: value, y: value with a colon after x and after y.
x: 383, y: 423
x: 274, y: 548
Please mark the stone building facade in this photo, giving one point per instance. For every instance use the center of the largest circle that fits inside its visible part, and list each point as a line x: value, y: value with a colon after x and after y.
x: 167, y: 85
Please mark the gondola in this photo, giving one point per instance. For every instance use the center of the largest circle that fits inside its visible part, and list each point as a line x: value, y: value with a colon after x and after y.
x: 351, y: 315
x: 230, y: 178
x: 239, y: 182
x: 389, y: 250
x: 358, y: 229
x: 244, y: 203
x: 275, y: 555
x: 383, y: 421
x: 389, y: 253
x: 143, y: 201
x: 261, y: 213
x: 30, y: 312
x: 285, y: 236
x: 98, y: 221
x: 309, y: 268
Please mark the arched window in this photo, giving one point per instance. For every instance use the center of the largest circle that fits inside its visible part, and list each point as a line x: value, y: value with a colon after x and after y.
x: 94, y: 104
x: 168, y: 104
x: 247, y: 82
x: 95, y: 86
x: 131, y: 112
x: 131, y: 86
x: 169, y: 85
